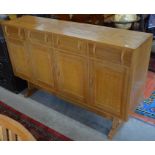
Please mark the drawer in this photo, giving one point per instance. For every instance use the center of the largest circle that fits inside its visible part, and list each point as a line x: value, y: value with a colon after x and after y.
x: 110, y: 53
x: 70, y: 44
x: 14, y: 32
x: 39, y: 37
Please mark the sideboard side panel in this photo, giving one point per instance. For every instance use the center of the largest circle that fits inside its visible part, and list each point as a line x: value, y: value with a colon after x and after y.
x: 141, y: 59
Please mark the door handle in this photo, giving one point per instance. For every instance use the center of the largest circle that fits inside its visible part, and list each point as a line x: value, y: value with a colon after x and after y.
x: 94, y: 49
x: 79, y: 45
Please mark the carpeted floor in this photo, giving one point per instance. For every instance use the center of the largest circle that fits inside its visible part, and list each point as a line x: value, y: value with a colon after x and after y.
x: 145, y: 111
x: 147, y: 107
x: 150, y: 84
x: 37, y: 129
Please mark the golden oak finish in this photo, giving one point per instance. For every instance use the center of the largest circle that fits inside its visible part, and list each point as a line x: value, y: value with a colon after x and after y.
x: 115, y: 125
x: 108, y: 86
x: 72, y: 68
x: 19, y: 57
x: 42, y: 65
x: 139, y: 72
x: 99, y: 68
x: 69, y: 44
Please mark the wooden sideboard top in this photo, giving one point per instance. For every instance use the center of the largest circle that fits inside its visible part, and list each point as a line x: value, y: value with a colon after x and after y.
x: 113, y: 36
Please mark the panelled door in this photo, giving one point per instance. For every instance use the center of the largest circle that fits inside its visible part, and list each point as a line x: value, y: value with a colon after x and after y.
x: 107, y: 85
x: 19, y: 57
x: 72, y: 75
x: 42, y: 64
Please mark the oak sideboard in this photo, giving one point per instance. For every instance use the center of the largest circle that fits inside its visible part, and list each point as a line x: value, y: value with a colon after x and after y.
x: 98, y: 68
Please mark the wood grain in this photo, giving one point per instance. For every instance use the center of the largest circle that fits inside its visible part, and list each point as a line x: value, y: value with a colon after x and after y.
x: 99, y: 68
x: 11, y: 130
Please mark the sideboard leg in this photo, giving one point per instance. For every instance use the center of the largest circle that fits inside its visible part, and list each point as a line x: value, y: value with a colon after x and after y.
x: 116, y: 123
x: 30, y: 90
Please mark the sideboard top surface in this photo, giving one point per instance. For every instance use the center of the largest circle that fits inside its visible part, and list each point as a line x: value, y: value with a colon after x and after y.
x: 113, y: 36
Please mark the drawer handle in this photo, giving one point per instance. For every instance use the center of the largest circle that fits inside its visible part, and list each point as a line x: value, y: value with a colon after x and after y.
x: 6, y: 31
x: 58, y: 41
x: 122, y: 56
x: 79, y: 45
x: 46, y: 38
x: 94, y: 49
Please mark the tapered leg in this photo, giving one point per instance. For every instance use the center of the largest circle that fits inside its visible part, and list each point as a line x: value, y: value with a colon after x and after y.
x: 116, y: 123
x: 31, y: 90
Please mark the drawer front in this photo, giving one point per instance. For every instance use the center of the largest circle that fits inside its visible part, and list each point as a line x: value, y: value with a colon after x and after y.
x: 14, y: 32
x: 110, y: 53
x: 39, y: 37
x: 70, y: 44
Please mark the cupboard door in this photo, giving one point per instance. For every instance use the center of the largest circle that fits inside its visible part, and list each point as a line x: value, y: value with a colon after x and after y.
x: 108, y: 83
x: 42, y: 64
x: 72, y: 75
x: 19, y: 57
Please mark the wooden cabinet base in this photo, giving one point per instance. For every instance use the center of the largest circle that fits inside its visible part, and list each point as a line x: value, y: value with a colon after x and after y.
x: 116, y: 124
x: 30, y: 90
x: 98, y: 68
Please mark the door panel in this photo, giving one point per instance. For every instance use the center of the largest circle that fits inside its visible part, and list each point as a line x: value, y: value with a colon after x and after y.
x: 19, y: 57
x: 41, y: 59
x: 72, y: 75
x: 108, y: 83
